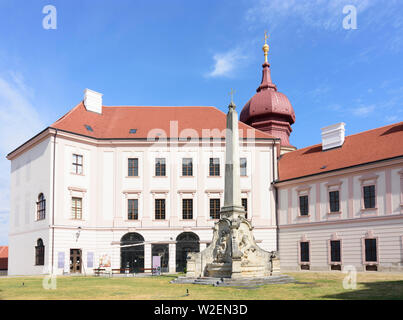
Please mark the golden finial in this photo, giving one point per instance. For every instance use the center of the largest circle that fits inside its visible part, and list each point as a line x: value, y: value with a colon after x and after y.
x: 266, y: 46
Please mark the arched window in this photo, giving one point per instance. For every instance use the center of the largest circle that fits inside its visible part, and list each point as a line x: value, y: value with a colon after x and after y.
x: 39, y: 253
x: 41, y: 207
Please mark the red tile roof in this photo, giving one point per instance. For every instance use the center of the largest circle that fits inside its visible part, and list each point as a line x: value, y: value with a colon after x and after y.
x: 116, y: 122
x: 365, y: 147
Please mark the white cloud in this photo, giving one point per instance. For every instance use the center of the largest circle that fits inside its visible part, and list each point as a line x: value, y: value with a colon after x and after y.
x: 326, y: 14
x: 19, y: 121
x: 225, y: 63
x: 363, y: 111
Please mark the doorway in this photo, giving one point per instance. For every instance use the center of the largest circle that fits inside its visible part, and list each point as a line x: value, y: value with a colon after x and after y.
x: 132, y: 252
x: 186, y: 242
x: 75, y: 261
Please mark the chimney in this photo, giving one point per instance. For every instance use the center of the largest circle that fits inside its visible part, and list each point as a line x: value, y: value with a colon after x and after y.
x: 93, y: 101
x: 333, y: 136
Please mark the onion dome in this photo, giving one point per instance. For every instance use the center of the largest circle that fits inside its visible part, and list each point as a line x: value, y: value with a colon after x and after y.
x: 269, y: 110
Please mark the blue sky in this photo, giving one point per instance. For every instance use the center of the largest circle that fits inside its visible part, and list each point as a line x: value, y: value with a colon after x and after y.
x: 192, y: 53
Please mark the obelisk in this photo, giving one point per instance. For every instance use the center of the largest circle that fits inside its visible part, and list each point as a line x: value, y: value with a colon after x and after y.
x: 232, y: 190
x: 233, y: 252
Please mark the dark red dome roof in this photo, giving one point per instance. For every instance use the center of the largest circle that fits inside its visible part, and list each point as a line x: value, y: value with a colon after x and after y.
x: 268, y: 102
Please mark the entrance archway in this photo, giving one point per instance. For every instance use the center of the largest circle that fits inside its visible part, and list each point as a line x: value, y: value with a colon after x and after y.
x: 185, y: 242
x: 132, y: 257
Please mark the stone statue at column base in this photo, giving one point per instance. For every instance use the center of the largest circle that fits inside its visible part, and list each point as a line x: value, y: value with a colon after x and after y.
x: 233, y: 252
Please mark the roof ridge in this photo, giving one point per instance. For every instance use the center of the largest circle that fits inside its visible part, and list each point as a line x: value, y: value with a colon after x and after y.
x: 354, y: 134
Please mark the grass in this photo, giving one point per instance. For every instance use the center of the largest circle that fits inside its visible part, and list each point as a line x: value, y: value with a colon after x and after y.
x: 312, y: 286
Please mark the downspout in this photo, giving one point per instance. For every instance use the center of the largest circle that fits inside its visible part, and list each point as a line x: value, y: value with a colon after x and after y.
x: 53, y: 200
x: 275, y: 178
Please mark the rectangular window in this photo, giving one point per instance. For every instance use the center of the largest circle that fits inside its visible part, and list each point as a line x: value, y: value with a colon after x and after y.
x: 133, y: 167
x: 243, y: 164
x: 214, y: 168
x: 77, y: 164
x: 304, y: 246
x: 132, y: 209
x: 334, y: 201
x: 40, y: 255
x: 335, y: 251
x: 77, y: 208
x: 245, y: 206
x: 187, y: 209
x: 187, y: 167
x: 371, y: 254
x: 159, y: 209
x: 214, y: 208
x: 369, y: 197
x: 160, y: 167
x: 303, y: 205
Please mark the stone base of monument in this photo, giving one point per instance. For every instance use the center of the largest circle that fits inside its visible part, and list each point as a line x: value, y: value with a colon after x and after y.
x: 240, y: 282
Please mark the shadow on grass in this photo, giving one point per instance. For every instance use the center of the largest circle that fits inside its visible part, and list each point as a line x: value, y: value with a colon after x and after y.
x: 387, y: 290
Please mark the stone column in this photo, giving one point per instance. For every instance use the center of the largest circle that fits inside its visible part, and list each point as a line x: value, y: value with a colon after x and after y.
x: 172, y: 258
x: 147, y: 257
x: 232, y: 190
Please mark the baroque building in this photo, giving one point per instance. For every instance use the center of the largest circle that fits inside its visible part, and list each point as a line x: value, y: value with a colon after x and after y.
x: 114, y: 186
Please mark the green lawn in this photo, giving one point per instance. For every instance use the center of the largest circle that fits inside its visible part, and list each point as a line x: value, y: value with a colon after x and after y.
x: 312, y: 286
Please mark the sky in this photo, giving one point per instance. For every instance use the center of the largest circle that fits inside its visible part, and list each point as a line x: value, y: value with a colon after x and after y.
x: 192, y: 53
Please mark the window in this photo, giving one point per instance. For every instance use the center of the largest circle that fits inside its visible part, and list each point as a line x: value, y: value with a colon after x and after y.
x: 39, y: 253
x: 133, y: 167
x: 334, y: 201
x: 77, y: 164
x: 335, y: 251
x: 243, y: 163
x: 214, y: 168
x: 187, y: 167
x: 187, y: 209
x: 160, y: 209
x: 132, y: 209
x: 304, y: 248
x: 369, y: 197
x: 41, y: 207
x: 214, y: 208
x: 303, y: 205
x: 371, y: 254
x: 245, y: 206
x: 76, y: 208
x: 160, y: 167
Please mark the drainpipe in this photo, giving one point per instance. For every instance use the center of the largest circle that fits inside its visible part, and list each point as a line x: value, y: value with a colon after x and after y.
x: 53, y: 199
x: 276, y: 200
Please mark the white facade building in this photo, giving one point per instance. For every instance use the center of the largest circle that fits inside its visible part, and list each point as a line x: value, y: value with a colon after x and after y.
x: 87, y: 185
